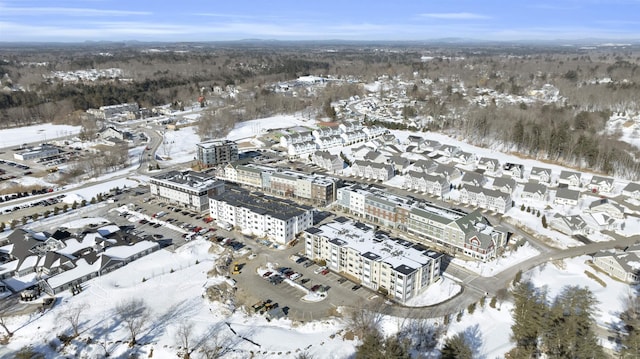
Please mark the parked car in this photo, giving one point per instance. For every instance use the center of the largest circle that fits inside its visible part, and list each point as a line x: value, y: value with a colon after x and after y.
x: 315, y: 287
x: 267, y: 274
x: 319, y: 270
x: 356, y: 287
x: 324, y: 272
x: 295, y: 276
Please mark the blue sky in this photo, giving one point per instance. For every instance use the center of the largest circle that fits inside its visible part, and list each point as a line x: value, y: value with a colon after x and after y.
x: 219, y: 20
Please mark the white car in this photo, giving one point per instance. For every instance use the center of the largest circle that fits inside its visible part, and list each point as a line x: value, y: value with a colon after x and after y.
x: 319, y: 269
x: 295, y: 276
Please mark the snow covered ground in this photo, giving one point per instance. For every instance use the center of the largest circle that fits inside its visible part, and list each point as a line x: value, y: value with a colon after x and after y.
x: 507, y: 260
x: 37, y: 133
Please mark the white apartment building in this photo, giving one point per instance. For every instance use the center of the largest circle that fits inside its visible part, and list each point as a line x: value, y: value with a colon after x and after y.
x: 276, y: 219
x: 214, y: 152
x: 396, y: 267
x: 188, y: 189
x: 36, y: 152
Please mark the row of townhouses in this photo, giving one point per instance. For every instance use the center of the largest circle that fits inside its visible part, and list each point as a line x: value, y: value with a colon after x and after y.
x: 305, y: 143
x: 277, y: 219
x: 320, y: 190
x: 468, y: 233
x: 398, y: 267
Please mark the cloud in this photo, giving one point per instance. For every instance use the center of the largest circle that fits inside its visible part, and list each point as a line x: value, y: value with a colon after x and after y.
x: 455, y: 16
x: 68, y: 11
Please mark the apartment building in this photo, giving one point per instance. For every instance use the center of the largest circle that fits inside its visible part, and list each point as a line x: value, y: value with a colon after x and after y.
x: 214, y: 152
x: 188, y: 189
x: 471, y: 234
x: 317, y: 189
x: 396, y: 267
x: 276, y: 219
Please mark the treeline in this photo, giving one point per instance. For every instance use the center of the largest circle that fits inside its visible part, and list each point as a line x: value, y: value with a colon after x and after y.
x: 560, y: 327
x: 554, y: 133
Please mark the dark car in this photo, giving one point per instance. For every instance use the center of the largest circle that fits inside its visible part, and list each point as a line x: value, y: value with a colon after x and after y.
x: 315, y: 287
x: 356, y: 287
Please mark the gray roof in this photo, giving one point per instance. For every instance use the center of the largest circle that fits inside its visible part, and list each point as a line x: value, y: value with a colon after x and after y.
x: 567, y: 194
x: 632, y: 187
x: 259, y: 203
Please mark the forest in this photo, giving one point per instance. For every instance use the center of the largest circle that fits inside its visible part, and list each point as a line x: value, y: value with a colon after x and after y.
x: 446, y: 85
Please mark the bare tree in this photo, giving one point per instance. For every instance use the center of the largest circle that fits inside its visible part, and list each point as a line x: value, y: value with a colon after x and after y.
x: 365, y: 318
x: 3, y: 318
x: 73, y: 315
x: 135, y: 314
x: 184, y: 334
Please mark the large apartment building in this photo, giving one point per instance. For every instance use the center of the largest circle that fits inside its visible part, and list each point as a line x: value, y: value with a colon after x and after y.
x: 277, y: 219
x: 320, y: 190
x: 468, y: 233
x: 188, y: 189
x: 214, y: 152
x: 400, y: 268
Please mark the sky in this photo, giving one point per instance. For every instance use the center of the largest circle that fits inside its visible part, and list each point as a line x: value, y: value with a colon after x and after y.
x: 396, y: 20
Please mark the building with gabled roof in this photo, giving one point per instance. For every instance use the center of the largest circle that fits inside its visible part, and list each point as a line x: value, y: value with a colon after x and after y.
x: 540, y: 174
x: 632, y: 190
x: 601, y: 184
x: 492, y: 200
x: 566, y: 196
x: 504, y: 184
x: 570, y: 178
x: 426, y: 183
x: 489, y: 165
x: 608, y: 207
x: 534, y: 191
x: 622, y: 264
x: 372, y: 170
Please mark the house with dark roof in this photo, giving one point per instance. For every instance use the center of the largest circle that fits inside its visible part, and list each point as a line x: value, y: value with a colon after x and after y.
x: 570, y: 178
x: 540, y: 174
x: 608, y: 207
x: 426, y: 183
x: 621, y: 264
x: 565, y: 196
x: 504, y: 184
x: 601, y: 184
x: 474, y: 179
x: 513, y: 170
x: 632, y: 190
x: 489, y: 165
x: 534, y: 192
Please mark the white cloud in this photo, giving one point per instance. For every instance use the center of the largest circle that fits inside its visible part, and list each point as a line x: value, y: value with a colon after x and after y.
x: 68, y: 11
x: 455, y: 16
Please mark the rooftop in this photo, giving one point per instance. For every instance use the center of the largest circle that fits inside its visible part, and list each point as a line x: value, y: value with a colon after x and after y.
x: 188, y: 179
x: 257, y: 202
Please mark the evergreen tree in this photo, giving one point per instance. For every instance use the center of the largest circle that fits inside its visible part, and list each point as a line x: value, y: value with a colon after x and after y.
x: 528, y: 319
x: 371, y: 347
x: 456, y: 347
x: 544, y: 222
x: 631, y: 319
x: 568, y: 331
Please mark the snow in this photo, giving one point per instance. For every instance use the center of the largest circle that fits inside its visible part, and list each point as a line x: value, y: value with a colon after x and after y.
x: 507, y: 260
x: 38, y: 133
x: 259, y: 127
x: 85, y: 222
x: 438, y: 292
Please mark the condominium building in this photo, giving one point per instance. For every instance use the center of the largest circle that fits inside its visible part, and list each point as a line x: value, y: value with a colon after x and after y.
x: 276, y: 219
x: 188, y: 189
x: 397, y: 267
x: 214, y: 152
x: 317, y: 189
x: 468, y: 233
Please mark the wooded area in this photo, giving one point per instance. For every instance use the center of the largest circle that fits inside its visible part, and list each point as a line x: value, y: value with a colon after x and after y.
x: 592, y: 84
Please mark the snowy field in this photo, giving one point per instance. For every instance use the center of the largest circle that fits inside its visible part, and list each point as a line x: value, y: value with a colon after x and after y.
x: 37, y: 133
x: 507, y: 260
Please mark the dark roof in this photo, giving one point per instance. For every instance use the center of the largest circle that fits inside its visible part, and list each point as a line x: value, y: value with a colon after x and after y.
x: 259, y: 203
x: 313, y: 230
x: 404, y: 269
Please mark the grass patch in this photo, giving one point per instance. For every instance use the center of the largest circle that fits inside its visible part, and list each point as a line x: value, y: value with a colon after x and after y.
x: 596, y: 278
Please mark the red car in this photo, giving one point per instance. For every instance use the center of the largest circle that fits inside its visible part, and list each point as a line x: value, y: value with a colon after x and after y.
x: 315, y: 287
x: 324, y: 272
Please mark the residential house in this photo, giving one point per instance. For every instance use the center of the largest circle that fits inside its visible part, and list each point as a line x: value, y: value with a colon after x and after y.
x: 608, y: 207
x: 565, y: 196
x: 489, y: 165
x: 400, y: 164
x: 573, y: 225
x: 301, y: 149
x: 374, y: 156
x: 622, y: 264
x: 474, y: 179
x: 570, y: 178
x: 600, y: 184
x: 504, y: 184
x: 430, y: 145
x: 464, y: 158
x: 540, y: 174
x: 534, y: 192
x: 426, y: 166
x: 632, y: 190
x: 448, y: 151
x: 514, y: 170
x: 449, y: 172
x: 416, y: 141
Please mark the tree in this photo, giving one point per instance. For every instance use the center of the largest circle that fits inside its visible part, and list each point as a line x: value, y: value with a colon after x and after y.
x: 456, y: 347
x: 630, y: 317
x: 72, y: 316
x: 35, y: 216
x: 3, y: 226
x: 544, y: 222
x: 420, y: 335
x: 46, y: 213
x: 135, y: 314
x: 3, y: 317
x: 184, y: 334
x: 365, y: 318
x: 528, y: 318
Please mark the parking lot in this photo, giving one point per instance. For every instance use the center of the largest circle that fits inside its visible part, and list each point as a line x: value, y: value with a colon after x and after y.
x: 252, y: 287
